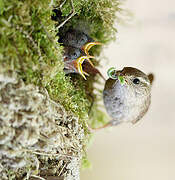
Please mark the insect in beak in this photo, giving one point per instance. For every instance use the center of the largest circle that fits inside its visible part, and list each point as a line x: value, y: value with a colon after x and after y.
x: 112, y: 73
x: 121, y: 80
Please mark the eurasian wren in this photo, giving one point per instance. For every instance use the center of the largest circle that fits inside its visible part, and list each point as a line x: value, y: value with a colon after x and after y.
x: 127, y: 95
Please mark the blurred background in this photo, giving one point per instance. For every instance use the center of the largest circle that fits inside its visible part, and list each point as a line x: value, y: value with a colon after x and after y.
x: 145, y: 151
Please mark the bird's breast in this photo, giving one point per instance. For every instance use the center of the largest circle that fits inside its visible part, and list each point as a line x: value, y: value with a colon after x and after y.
x: 121, y: 102
x: 114, y: 96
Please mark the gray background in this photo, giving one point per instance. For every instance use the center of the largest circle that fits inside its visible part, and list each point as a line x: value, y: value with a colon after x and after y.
x: 145, y: 151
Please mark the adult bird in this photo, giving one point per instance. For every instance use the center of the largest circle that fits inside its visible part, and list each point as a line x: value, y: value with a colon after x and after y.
x: 127, y: 95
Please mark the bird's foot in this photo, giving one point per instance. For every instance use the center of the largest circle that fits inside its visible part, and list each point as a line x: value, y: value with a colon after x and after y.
x: 92, y: 130
x: 108, y: 124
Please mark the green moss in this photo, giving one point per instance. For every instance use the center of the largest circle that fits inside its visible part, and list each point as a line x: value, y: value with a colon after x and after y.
x: 99, y: 16
x: 86, y: 163
x: 1, y: 6
x: 28, y: 46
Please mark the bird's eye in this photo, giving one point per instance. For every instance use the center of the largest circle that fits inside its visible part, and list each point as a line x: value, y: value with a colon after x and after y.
x: 136, y: 81
x: 82, y: 40
x: 112, y: 73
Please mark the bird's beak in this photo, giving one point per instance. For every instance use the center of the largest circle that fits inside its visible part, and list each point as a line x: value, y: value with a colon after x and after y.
x: 79, y: 61
x: 88, y: 46
x: 114, y: 74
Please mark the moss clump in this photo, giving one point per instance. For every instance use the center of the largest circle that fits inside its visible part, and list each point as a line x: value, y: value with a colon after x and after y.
x: 29, y: 49
x: 99, y: 16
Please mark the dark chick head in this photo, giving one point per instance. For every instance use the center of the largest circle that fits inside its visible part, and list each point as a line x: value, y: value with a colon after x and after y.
x: 127, y: 94
x: 74, y: 38
x: 72, y: 53
x: 77, y: 39
x: 73, y: 59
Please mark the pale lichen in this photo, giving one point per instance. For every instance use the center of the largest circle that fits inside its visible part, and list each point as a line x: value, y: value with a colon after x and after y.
x: 36, y: 134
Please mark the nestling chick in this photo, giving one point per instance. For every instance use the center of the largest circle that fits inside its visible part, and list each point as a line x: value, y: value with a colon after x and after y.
x: 127, y: 95
x: 76, y: 50
x: 78, y: 39
x: 76, y: 61
x: 73, y: 60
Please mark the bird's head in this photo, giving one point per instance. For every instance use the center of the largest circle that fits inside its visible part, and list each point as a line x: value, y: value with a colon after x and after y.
x: 131, y: 78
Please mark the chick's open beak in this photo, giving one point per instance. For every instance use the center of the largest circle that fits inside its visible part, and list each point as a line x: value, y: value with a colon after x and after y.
x: 79, y: 61
x: 88, y: 46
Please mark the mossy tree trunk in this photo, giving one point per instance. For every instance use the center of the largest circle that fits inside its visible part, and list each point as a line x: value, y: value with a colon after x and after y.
x: 43, y: 113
